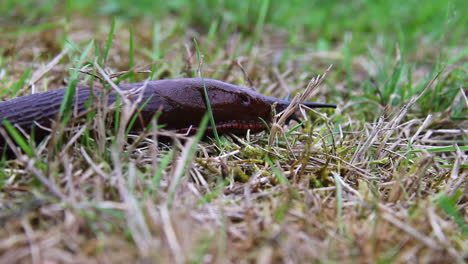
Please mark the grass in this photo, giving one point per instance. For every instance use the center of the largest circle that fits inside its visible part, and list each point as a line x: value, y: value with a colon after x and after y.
x: 381, y: 179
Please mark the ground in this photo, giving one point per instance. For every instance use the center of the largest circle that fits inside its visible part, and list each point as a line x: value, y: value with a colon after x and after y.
x: 381, y: 179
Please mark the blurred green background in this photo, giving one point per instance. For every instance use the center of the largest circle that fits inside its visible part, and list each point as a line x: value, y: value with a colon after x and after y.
x: 325, y: 22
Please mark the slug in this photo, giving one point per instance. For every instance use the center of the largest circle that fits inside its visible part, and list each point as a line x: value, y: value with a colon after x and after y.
x: 181, y: 102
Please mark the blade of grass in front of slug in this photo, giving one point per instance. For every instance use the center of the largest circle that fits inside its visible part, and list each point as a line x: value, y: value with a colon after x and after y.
x: 210, y: 113
x: 207, y: 98
x: 86, y: 137
x: 66, y: 106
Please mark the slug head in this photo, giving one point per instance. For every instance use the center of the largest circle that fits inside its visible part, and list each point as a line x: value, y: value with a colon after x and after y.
x: 183, y: 103
x: 235, y: 109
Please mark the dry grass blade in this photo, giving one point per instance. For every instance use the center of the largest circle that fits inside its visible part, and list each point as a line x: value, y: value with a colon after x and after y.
x: 39, y: 74
x: 413, y: 232
x: 54, y: 190
x: 359, y: 155
x: 134, y: 215
x: 426, y: 122
x: 180, y: 169
x: 458, y: 176
x: 277, y: 125
x: 171, y: 236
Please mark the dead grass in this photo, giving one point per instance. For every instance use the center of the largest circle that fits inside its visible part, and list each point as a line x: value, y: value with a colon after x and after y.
x: 341, y: 189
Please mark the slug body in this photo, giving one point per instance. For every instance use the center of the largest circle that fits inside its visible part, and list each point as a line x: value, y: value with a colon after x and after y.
x: 181, y: 102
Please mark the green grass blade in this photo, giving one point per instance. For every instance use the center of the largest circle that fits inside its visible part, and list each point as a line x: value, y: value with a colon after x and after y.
x: 131, y: 55
x: 339, y: 203
x: 279, y: 175
x: 448, y: 205
x: 207, y: 98
x: 110, y: 37
x: 13, y: 90
x: 118, y: 102
x: 66, y: 105
x: 440, y: 149
x: 259, y: 25
x: 18, y: 138
x: 135, y: 116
